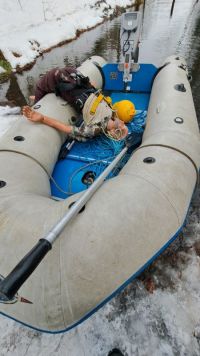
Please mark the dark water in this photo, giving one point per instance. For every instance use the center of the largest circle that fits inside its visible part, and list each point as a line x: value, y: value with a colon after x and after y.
x: 103, y: 41
x: 162, y: 36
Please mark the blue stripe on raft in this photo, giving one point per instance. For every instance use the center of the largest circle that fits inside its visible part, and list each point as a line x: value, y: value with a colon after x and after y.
x: 141, y: 82
x: 125, y: 284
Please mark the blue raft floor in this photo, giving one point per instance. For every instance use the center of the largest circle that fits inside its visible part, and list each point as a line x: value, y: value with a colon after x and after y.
x: 94, y: 155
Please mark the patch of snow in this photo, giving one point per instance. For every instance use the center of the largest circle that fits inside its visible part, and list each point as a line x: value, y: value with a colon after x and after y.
x: 7, y: 118
x: 30, y: 27
x: 7, y: 110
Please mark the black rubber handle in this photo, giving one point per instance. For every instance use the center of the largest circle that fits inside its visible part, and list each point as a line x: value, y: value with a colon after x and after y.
x: 133, y: 139
x: 11, y: 284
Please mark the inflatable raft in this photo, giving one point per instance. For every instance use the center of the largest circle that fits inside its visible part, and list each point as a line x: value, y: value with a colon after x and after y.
x: 125, y: 225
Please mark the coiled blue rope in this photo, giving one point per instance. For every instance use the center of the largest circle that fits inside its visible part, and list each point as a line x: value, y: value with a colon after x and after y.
x: 104, y: 150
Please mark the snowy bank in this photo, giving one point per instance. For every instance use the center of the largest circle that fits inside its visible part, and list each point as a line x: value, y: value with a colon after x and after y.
x: 30, y: 28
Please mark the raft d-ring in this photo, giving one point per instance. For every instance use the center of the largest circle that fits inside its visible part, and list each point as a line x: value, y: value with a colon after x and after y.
x: 183, y: 66
x: 180, y: 87
x: 72, y: 203
x: 149, y: 160
x: 88, y: 178
x: 2, y: 183
x: 37, y: 106
x: 19, y: 138
x: 178, y: 120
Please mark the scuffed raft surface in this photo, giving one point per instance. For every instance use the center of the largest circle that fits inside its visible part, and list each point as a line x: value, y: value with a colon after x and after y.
x: 106, y: 258
x: 157, y: 314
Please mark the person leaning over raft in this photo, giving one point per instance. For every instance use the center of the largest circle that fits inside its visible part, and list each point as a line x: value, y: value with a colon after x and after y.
x: 73, y: 87
x: 68, y: 83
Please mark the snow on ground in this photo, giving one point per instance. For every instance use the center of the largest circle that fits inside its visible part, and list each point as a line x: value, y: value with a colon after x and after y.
x: 27, y: 28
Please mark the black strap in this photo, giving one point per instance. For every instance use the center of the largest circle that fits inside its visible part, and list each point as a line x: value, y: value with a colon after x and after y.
x: 63, y: 87
x: 68, y: 144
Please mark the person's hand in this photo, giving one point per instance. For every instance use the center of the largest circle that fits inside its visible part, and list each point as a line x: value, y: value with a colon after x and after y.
x: 32, y: 115
x: 117, y: 129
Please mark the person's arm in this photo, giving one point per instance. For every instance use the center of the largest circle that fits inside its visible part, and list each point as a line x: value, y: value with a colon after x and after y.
x: 38, y: 117
x: 82, y: 133
x: 57, y: 124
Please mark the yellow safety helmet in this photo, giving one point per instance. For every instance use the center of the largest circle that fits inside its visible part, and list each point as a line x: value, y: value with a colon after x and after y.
x: 125, y: 110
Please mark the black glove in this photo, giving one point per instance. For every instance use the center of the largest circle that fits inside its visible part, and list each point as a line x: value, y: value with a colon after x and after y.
x: 82, y: 81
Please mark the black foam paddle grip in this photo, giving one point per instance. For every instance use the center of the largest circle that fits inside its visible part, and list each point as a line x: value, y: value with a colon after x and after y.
x: 10, y: 285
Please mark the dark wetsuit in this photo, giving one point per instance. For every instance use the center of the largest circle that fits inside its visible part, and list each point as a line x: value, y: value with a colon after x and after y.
x: 71, y: 87
x: 65, y: 82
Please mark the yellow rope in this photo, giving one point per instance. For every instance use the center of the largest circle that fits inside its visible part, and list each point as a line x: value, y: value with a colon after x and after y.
x: 95, y: 104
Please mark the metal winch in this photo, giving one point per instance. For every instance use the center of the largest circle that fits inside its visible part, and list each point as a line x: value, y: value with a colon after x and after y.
x: 129, y: 42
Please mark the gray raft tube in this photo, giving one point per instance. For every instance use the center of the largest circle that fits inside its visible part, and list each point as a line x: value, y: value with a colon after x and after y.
x: 123, y: 227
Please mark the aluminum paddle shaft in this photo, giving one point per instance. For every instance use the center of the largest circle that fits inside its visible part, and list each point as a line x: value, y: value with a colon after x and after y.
x: 77, y: 206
